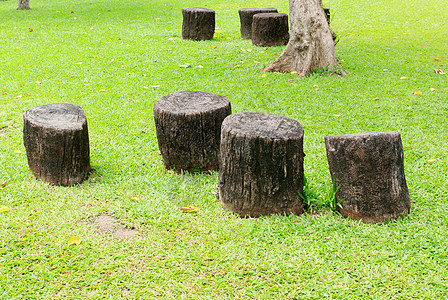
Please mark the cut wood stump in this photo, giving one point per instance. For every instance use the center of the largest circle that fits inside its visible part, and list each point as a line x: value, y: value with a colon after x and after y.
x: 57, y: 143
x: 261, y: 165
x: 368, y: 172
x: 246, y: 16
x: 270, y: 29
x: 188, y: 126
x: 198, y: 23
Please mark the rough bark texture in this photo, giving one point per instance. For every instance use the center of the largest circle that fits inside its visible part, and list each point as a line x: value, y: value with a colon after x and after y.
x: 198, y: 23
x: 270, y: 29
x: 246, y: 15
x: 188, y: 126
x: 261, y: 165
x: 369, y: 172
x: 311, y: 44
x: 23, y: 4
x: 57, y: 143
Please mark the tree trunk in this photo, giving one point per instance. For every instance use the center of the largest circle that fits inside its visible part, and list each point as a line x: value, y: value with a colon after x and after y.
x: 23, y: 4
x: 311, y: 44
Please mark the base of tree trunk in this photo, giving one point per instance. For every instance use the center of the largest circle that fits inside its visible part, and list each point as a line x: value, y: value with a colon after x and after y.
x: 311, y: 45
x: 23, y: 5
x: 57, y: 143
x: 270, y: 29
x: 261, y: 165
x: 368, y: 171
x: 198, y: 23
x: 246, y: 16
x: 188, y: 127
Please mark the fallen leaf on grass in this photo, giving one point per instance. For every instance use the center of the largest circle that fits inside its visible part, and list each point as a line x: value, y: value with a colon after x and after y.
x: 3, y: 184
x: 432, y: 89
x: 417, y: 93
x: 439, y: 71
x: 17, y: 151
x: 189, y: 209
x: 4, y: 209
x: 4, y: 92
x: 438, y: 59
x: 30, y: 29
x: 264, y: 75
x: 431, y: 161
x: 74, y: 240
x: 403, y: 77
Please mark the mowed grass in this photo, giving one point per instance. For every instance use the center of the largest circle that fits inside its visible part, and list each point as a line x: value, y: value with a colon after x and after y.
x: 116, y: 58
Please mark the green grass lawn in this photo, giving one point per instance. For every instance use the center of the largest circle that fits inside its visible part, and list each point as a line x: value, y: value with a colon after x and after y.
x: 116, y: 58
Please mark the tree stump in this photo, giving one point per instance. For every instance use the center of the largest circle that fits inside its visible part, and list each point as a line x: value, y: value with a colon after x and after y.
x: 368, y: 171
x: 261, y: 165
x: 23, y: 4
x: 198, y: 23
x: 57, y: 143
x: 188, y: 126
x: 270, y: 29
x: 246, y: 16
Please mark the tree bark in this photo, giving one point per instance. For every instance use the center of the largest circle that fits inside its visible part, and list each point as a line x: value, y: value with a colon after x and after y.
x: 246, y: 16
x: 198, y: 23
x: 311, y: 44
x: 23, y: 4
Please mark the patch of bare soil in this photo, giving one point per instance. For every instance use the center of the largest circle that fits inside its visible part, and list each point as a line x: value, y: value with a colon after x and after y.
x: 110, y: 225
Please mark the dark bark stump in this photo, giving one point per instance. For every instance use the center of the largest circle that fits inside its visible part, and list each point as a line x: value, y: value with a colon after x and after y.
x: 270, y: 29
x: 57, y: 143
x: 246, y: 16
x: 327, y: 14
x: 198, y: 23
x: 188, y: 126
x: 369, y: 172
x: 261, y: 165
x: 23, y: 4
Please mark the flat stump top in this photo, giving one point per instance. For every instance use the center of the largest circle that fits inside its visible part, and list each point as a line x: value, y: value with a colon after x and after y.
x: 58, y: 116
x: 263, y: 125
x: 197, y: 9
x: 257, y: 9
x: 191, y: 102
x: 270, y: 15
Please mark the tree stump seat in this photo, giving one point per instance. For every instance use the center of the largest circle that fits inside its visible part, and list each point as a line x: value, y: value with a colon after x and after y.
x: 198, y: 23
x: 188, y: 127
x: 56, y: 140
x: 246, y: 16
x: 270, y: 29
x: 368, y: 172
x: 261, y: 165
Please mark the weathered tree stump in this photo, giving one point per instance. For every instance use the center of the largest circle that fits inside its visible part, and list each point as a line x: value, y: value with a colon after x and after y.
x: 246, y: 16
x: 368, y: 171
x: 261, y: 165
x: 270, y: 29
x: 198, y: 23
x: 57, y: 143
x: 188, y: 126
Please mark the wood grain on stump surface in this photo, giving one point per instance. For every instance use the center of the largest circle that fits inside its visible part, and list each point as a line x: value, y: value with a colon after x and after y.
x: 270, y: 29
x: 198, y: 23
x: 57, y: 143
x: 246, y: 16
x: 261, y: 164
x: 368, y: 169
x: 188, y: 126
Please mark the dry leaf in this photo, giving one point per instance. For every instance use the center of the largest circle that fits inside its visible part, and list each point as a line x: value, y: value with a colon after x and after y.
x: 417, y: 93
x: 74, y: 240
x: 439, y: 71
x: 431, y: 160
x: 264, y: 75
x: 3, y: 184
x: 17, y: 151
x: 189, y: 209
x: 432, y: 89
x: 3, y: 209
x: 403, y: 77
x: 438, y: 59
